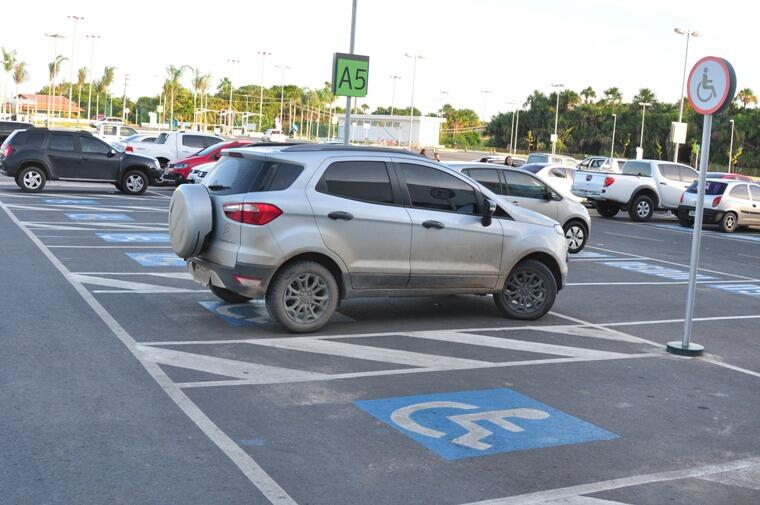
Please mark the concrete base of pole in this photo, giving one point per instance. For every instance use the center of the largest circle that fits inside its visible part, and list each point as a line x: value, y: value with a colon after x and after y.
x: 676, y: 347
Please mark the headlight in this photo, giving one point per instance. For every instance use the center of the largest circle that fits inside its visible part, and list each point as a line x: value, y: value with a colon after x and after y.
x: 559, y: 230
x: 180, y: 165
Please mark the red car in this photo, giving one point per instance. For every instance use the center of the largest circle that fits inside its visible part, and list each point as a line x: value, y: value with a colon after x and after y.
x: 180, y: 170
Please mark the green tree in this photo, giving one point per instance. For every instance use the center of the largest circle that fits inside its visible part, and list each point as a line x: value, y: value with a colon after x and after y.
x: 613, y: 96
x: 588, y: 94
x: 81, y: 81
x: 746, y: 97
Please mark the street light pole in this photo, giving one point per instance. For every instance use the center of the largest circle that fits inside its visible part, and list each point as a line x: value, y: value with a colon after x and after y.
x: 92, y: 59
x: 731, y: 147
x: 263, y: 55
x: 644, y: 106
x: 511, y: 128
x: 689, y: 33
x: 71, y: 60
x: 517, y: 127
x: 55, y: 37
x: 485, y: 92
x: 283, y: 68
x: 232, y: 62
x: 556, y: 118
x: 393, y: 92
x: 414, y: 57
x: 614, y: 127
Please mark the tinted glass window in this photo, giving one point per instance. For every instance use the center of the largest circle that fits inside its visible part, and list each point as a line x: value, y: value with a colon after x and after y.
x: 161, y: 139
x: 637, y: 168
x: 712, y: 188
x: 280, y: 176
x: 211, y: 149
x: 533, y: 168
x: 755, y: 192
x: 233, y: 175
x: 61, y: 142
x: 210, y: 141
x: 93, y: 146
x: 523, y: 185
x: 487, y: 177
x: 34, y: 139
x: 193, y: 141
x: 359, y: 180
x: 740, y: 192
x: 670, y: 172
x: 110, y: 131
x: 538, y: 158
x: 687, y: 174
x: 433, y: 189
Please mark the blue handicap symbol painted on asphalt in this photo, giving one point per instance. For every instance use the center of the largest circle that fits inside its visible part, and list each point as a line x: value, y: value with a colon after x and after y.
x: 150, y: 259
x: 134, y: 237
x: 740, y: 289
x: 66, y: 201
x: 466, y: 424
x: 239, y: 314
x: 659, y: 271
x: 99, y: 217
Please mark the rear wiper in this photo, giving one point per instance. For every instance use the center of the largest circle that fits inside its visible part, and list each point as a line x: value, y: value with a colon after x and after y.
x: 217, y: 187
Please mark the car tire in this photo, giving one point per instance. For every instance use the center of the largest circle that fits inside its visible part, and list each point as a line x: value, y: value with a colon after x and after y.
x: 729, y: 222
x: 228, y: 296
x: 642, y: 208
x: 606, y: 209
x: 134, y: 182
x: 576, y: 233
x: 31, y: 179
x: 529, y: 275
x: 293, y: 293
x: 685, y: 222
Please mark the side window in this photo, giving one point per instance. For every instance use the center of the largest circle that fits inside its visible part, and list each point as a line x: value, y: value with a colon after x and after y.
x: 359, y: 180
x: 641, y: 168
x: 210, y: 141
x: 740, y: 191
x: 126, y: 131
x: 93, y: 146
x: 755, y: 192
x: 433, y: 189
x: 670, y: 172
x: 110, y: 131
x: 488, y: 178
x: 61, y: 142
x: 687, y: 174
x: 525, y: 186
x: 35, y: 139
x: 282, y: 176
x: 193, y: 141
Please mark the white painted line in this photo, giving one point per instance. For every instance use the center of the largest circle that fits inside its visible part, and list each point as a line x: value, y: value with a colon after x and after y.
x: 148, y: 246
x: 168, y: 275
x: 747, y: 478
x: 652, y: 283
x: 582, y: 500
x: 252, y: 372
x: 129, y: 286
x: 364, y: 352
x: 731, y: 367
x: 602, y: 327
x: 606, y: 258
x: 510, y: 344
x: 671, y: 321
x: 749, y: 256
x: 110, y: 226
x: 257, y: 475
x: 541, y: 497
x: 633, y: 237
x: 147, y: 291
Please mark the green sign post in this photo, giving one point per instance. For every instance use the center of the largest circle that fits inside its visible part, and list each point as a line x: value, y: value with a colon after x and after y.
x: 350, y: 75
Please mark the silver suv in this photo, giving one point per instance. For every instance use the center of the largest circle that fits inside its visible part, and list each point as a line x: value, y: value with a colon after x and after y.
x: 307, y: 225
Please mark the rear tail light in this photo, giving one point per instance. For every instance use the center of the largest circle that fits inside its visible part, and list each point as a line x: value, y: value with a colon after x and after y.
x: 251, y: 213
x: 129, y: 149
x: 609, y: 181
x: 8, y: 150
x: 716, y: 201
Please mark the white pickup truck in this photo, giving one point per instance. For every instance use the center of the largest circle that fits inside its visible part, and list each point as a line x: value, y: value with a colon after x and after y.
x: 643, y: 187
x: 172, y: 146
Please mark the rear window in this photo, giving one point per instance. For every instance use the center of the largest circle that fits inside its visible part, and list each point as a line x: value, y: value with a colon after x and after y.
x: 209, y: 150
x: 533, y: 168
x: 538, y: 158
x: 712, y: 188
x: 161, y: 139
x: 637, y: 168
x: 235, y: 174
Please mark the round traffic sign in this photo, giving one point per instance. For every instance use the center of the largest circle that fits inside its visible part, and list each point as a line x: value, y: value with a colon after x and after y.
x: 711, y: 85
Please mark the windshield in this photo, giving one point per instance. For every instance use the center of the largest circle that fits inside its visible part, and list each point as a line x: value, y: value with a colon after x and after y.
x: 211, y: 149
x: 712, y: 188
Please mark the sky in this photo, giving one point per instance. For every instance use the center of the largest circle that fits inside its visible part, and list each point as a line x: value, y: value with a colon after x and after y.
x: 506, y: 47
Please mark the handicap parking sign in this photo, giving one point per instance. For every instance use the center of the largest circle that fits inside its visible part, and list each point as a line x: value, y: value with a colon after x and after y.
x: 98, y: 217
x: 466, y: 424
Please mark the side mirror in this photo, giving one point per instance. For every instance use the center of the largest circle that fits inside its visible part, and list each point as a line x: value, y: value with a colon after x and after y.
x: 111, y: 153
x: 489, y: 208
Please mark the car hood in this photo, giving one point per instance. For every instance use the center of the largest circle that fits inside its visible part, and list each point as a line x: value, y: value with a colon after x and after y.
x: 138, y: 158
x: 524, y: 215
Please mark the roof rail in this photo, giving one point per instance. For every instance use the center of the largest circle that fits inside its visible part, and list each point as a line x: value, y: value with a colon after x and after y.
x: 342, y: 147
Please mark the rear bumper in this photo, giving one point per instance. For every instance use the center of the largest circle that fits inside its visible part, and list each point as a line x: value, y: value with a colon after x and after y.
x: 247, y: 280
x: 709, y: 216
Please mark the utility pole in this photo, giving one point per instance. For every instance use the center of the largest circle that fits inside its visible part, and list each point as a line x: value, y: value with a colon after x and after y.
x: 415, y: 57
x: 347, y: 128
x: 55, y: 37
x: 731, y: 148
x: 556, y: 118
x: 75, y: 19
x: 231, y: 115
x: 614, y: 126
x: 263, y: 55
x: 92, y: 58
x: 124, y: 100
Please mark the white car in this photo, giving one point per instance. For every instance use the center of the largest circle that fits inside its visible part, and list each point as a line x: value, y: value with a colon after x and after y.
x: 517, y: 187
x: 200, y: 172
x: 274, y: 135
x: 728, y: 203
x: 106, y: 120
x: 554, y: 159
x: 517, y: 161
x: 172, y: 146
x: 558, y: 176
x: 113, y: 133
x: 602, y: 164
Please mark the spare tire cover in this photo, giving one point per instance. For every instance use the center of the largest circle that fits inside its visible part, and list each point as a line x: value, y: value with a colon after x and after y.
x: 190, y: 219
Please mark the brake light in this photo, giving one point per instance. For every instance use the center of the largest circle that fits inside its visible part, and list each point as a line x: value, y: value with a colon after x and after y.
x: 8, y: 150
x: 129, y: 149
x: 251, y: 213
x: 609, y: 181
x: 716, y: 201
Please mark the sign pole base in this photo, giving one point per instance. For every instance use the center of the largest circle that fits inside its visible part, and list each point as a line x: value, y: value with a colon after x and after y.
x: 691, y: 349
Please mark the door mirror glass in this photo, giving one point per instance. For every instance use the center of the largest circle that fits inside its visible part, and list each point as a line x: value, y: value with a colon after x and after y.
x: 112, y: 153
x: 489, y: 208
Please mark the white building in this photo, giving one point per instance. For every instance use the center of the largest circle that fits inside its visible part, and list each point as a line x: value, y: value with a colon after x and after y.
x: 393, y: 130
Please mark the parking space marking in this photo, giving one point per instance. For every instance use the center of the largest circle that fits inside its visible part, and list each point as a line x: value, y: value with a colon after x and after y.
x: 466, y: 424
x: 542, y: 497
x: 98, y: 217
x: 71, y: 201
x: 251, y: 313
x: 706, y: 232
x: 582, y: 500
x: 740, y: 289
x: 134, y: 237
x: 633, y: 236
x: 746, y: 478
x: 656, y: 270
x: 58, y: 208
x: 129, y: 286
x: 649, y: 283
x: 101, y: 226
x: 154, y: 259
x: 108, y: 246
x: 271, y: 490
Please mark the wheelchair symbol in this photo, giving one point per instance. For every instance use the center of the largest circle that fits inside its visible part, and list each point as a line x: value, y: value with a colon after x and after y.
x: 475, y: 433
x: 706, y: 85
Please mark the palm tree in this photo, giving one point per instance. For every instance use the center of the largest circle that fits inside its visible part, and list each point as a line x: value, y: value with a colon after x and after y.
x: 588, y: 94
x: 9, y: 61
x: 53, y: 68
x: 746, y: 97
x: 645, y: 95
x: 20, y: 75
x: 81, y: 80
x: 203, y: 86
x: 174, y: 75
x: 102, y: 86
x: 613, y: 95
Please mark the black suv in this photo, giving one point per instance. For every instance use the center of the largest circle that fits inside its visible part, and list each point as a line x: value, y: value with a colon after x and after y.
x: 36, y: 155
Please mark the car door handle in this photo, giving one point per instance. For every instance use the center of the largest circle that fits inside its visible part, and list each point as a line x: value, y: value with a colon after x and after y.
x: 339, y: 214
x: 434, y: 224
x: 85, y: 159
x: 663, y: 184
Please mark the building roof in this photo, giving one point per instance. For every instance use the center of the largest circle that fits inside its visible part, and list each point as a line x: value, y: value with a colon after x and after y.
x: 40, y: 102
x: 388, y: 117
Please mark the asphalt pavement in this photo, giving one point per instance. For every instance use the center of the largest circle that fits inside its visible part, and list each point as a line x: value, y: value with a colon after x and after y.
x: 125, y: 382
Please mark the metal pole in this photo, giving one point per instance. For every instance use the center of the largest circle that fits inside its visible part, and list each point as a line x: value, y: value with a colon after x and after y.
x: 685, y: 344
x: 71, y: 61
x: 411, y: 109
x: 731, y: 148
x: 124, y: 117
x: 614, y: 127
x: 643, y: 114
x: 512, y: 134
x: 347, y: 125
x: 556, y: 121
x: 683, y: 85
x: 263, y: 54
x: 517, y: 128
